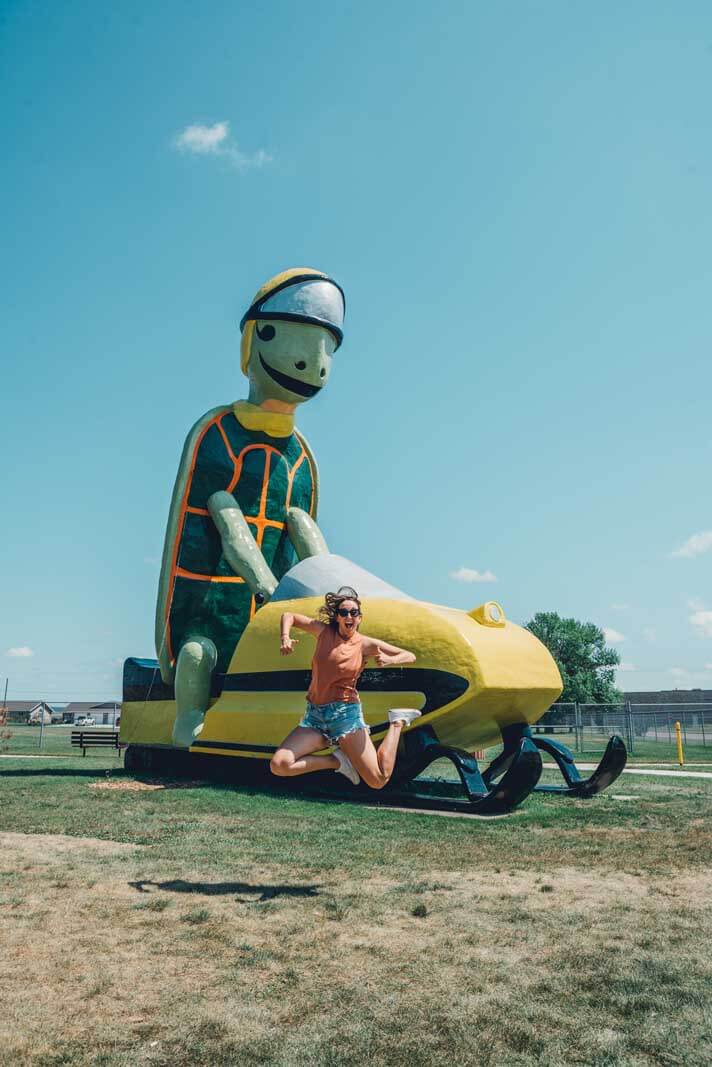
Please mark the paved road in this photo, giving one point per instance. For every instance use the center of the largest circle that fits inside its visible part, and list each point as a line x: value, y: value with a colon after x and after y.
x: 643, y: 770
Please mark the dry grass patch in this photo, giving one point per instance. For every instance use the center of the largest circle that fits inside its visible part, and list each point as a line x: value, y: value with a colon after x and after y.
x: 139, y: 785
x: 17, y: 849
x: 394, y: 972
x: 254, y: 930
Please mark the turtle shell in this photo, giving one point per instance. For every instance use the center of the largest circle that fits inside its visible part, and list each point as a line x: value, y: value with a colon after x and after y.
x: 200, y: 594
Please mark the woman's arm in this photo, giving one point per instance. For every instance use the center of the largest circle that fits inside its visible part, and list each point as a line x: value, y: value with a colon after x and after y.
x: 302, y: 622
x: 386, y: 655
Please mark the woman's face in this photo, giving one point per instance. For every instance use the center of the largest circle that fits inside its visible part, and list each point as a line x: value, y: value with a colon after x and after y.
x: 347, y: 622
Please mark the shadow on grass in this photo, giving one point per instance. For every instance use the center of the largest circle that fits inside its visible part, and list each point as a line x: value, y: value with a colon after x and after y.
x: 221, y: 889
x: 243, y: 778
x: 432, y: 794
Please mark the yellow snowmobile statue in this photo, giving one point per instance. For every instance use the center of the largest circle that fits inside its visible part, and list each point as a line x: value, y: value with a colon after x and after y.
x: 478, y: 680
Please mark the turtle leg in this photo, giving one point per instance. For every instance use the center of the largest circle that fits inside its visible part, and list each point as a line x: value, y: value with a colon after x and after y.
x: 196, y: 663
x: 305, y: 535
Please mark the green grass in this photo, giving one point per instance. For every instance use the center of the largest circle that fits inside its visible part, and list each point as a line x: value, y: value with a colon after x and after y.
x: 21, y: 739
x: 255, y: 928
x: 644, y: 750
x: 659, y: 751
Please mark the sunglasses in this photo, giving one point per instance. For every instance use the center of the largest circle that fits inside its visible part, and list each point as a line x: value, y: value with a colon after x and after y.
x: 345, y: 612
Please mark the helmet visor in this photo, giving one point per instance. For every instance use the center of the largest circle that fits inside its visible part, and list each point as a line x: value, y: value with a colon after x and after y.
x: 312, y: 300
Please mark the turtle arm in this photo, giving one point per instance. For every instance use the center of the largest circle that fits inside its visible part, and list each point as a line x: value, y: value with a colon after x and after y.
x: 239, y: 546
x: 305, y: 535
x: 311, y: 460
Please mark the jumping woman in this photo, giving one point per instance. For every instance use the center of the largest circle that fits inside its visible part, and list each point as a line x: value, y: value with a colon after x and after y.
x: 333, y: 712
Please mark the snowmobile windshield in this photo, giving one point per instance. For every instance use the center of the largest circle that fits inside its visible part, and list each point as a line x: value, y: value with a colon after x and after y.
x: 325, y: 573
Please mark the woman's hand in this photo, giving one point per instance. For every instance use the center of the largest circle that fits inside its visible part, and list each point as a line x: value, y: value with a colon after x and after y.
x: 386, y: 655
x: 287, y: 646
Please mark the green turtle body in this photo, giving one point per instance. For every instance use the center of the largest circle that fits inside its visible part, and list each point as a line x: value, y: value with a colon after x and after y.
x: 199, y: 593
x: 245, y: 498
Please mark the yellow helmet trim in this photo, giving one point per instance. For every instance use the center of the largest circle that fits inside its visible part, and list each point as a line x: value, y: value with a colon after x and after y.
x: 246, y: 345
x: 261, y: 294
x: 284, y: 276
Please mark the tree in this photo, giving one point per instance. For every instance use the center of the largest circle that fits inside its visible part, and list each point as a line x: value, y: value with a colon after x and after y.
x: 579, y: 648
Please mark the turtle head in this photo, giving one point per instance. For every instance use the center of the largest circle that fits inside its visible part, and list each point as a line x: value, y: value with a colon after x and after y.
x: 289, y: 361
x: 289, y: 335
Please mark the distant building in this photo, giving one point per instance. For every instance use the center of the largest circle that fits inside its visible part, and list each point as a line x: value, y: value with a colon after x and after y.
x: 106, y: 714
x: 671, y: 696
x: 32, y: 711
x: 36, y: 711
x: 42, y: 714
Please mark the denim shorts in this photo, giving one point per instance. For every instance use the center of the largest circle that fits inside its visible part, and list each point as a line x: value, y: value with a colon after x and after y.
x: 334, y: 720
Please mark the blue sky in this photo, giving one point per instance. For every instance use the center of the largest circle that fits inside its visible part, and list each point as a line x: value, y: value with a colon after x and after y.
x: 516, y: 199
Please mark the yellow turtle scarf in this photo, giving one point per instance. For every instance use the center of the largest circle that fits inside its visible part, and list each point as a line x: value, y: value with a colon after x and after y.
x: 253, y: 417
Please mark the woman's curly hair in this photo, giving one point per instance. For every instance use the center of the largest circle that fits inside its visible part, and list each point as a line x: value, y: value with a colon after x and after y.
x: 333, y: 601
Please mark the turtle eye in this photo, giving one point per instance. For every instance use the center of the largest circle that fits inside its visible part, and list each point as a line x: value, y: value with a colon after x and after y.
x: 266, y: 333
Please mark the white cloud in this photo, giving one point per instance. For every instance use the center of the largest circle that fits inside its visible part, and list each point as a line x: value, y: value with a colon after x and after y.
x: 702, y: 621
x: 152, y: 561
x: 466, y: 574
x: 679, y: 672
x: 695, y: 545
x: 626, y: 667
x: 202, y: 139
x: 216, y: 140
x: 22, y: 652
x: 650, y: 634
x: 620, y: 607
x: 612, y: 636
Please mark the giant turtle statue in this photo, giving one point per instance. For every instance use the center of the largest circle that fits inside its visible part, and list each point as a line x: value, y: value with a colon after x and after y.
x: 245, y: 498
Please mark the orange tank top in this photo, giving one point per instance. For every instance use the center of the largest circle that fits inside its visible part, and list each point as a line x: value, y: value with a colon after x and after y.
x: 336, y: 667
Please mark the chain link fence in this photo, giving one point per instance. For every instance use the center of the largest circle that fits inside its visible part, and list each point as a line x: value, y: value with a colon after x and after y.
x: 647, y: 729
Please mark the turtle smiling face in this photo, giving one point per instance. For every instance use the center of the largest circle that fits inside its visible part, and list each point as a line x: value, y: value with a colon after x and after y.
x: 290, y: 361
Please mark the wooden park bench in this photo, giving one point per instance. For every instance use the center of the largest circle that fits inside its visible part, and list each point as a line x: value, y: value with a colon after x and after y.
x: 85, y: 739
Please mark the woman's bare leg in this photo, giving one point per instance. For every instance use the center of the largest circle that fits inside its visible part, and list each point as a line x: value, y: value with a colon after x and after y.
x: 294, y: 754
x: 374, y: 765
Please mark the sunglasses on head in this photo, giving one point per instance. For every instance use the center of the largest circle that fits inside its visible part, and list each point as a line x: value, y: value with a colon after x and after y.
x: 344, y: 612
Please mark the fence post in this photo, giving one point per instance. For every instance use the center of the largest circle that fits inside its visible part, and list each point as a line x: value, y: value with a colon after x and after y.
x: 631, y: 742
x: 702, y: 721
x: 684, y: 725
x: 577, y: 724
x: 669, y: 730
